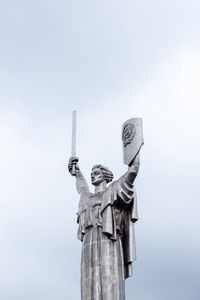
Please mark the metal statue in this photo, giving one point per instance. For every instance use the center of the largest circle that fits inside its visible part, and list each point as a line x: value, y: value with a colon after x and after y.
x: 106, y: 220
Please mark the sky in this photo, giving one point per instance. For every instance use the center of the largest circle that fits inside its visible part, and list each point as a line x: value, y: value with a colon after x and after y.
x: 110, y: 61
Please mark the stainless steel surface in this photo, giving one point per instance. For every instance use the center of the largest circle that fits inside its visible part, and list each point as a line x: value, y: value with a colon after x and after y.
x: 106, y: 228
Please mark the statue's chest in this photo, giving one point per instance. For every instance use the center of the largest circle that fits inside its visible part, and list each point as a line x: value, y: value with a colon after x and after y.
x: 94, y: 209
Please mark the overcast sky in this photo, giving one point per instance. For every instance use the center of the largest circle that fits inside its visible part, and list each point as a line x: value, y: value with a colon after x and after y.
x: 109, y: 60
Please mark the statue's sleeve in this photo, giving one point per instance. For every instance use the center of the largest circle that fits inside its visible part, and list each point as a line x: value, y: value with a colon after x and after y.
x: 81, y: 184
x: 126, y: 196
x: 121, y: 192
x: 125, y: 190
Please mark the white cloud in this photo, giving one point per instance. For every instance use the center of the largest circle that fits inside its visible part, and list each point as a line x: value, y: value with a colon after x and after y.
x: 157, y: 79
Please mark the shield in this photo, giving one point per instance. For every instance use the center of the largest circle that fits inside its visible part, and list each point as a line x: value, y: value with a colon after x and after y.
x: 132, y: 138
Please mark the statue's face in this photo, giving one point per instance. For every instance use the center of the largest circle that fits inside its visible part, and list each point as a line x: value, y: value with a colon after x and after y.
x: 97, y: 176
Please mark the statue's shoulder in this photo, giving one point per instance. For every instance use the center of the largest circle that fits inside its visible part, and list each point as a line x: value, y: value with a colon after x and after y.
x: 115, y: 183
x: 110, y: 186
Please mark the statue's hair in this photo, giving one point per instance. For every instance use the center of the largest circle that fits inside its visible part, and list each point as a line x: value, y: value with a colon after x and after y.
x: 108, y: 175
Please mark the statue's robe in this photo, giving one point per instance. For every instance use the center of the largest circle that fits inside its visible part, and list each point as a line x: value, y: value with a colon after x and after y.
x: 106, y: 228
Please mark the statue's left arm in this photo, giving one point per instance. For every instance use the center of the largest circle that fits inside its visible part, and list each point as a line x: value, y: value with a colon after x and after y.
x: 127, y: 198
x: 133, y: 169
x: 123, y: 188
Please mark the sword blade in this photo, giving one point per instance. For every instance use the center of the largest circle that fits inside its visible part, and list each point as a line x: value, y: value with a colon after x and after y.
x: 73, y: 152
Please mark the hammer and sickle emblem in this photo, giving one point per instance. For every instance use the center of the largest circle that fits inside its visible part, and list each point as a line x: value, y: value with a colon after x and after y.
x: 128, y: 134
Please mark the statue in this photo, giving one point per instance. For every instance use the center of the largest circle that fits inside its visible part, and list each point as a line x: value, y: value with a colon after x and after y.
x: 106, y: 220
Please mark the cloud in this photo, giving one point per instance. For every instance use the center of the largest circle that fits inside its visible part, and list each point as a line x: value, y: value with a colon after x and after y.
x: 134, y: 62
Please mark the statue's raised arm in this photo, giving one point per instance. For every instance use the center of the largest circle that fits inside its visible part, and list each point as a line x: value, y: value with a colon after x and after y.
x: 74, y: 170
x: 123, y: 190
x: 132, y: 139
x: 133, y: 169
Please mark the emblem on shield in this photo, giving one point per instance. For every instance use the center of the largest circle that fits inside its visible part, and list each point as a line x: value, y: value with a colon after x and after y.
x: 128, y: 134
x: 132, y: 138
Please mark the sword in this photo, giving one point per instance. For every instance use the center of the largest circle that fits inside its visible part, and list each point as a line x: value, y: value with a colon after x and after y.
x: 73, y: 150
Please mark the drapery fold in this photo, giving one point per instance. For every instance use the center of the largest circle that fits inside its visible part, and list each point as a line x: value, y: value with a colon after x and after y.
x: 106, y: 228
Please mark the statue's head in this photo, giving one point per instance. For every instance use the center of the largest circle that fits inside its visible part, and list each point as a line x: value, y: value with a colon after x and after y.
x: 99, y: 174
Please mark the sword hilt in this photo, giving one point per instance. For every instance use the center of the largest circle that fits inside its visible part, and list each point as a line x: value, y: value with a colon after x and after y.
x: 73, y: 169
